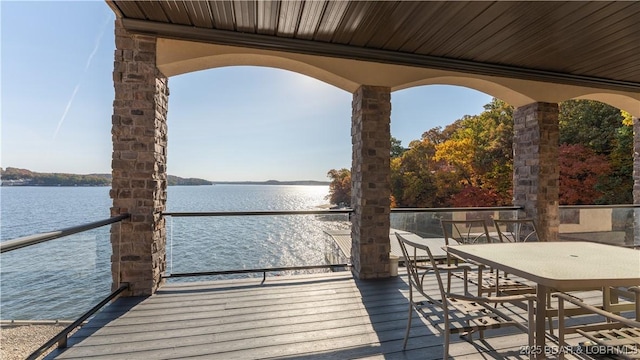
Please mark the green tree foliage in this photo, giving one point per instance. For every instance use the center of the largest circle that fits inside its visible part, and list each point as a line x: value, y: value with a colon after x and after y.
x: 340, y: 187
x: 396, y: 148
x: 617, y: 188
x: 589, y: 123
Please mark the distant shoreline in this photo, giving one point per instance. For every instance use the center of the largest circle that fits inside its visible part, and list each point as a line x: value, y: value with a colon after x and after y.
x: 23, y: 177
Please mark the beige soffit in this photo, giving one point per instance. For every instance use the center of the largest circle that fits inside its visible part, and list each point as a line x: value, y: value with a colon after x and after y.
x: 175, y: 57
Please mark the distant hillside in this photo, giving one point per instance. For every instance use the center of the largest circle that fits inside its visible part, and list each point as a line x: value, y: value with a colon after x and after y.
x: 23, y: 177
x: 175, y: 180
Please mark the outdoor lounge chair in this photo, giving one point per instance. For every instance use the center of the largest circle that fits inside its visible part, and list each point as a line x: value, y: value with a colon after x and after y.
x: 453, y: 313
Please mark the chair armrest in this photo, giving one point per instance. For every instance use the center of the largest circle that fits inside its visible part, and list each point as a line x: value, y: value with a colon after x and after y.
x: 598, y: 311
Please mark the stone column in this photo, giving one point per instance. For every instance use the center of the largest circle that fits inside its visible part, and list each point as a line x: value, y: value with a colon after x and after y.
x: 535, y: 162
x: 636, y: 180
x: 370, y: 179
x: 139, y: 186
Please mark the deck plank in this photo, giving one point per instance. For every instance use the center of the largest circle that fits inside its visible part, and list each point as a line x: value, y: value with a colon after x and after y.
x: 319, y: 316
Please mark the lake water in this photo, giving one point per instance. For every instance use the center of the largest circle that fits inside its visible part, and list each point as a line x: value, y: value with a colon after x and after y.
x: 63, y: 278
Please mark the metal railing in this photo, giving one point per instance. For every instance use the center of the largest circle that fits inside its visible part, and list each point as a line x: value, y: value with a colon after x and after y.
x: 257, y: 213
x: 26, y: 241
x: 264, y: 271
x: 29, y: 240
x: 347, y: 211
x: 457, y: 209
x: 63, y: 335
x: 61, y: 338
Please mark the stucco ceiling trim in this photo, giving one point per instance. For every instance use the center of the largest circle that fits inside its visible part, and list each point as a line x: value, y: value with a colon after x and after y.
x: 178, y: 57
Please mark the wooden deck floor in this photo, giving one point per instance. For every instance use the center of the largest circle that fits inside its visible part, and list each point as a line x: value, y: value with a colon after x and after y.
x: 321, y: 316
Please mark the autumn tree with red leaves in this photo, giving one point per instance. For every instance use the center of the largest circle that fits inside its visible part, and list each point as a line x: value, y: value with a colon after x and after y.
x: 580, y: 171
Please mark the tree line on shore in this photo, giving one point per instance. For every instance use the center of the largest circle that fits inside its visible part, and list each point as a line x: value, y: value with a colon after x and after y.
x: 470, y: 162
x: 22, y: 177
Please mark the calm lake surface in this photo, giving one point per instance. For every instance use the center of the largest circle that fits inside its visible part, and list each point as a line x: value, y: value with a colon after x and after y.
x: 63, y: 278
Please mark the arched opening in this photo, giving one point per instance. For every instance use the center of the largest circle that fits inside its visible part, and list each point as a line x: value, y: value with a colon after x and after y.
x: 259, y: 134
x: 247, y: 123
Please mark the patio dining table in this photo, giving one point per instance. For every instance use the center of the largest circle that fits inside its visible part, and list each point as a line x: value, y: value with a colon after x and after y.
x: 563, y: 266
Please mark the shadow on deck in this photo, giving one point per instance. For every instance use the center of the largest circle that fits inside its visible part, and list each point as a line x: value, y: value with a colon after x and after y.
x: 321, y: 316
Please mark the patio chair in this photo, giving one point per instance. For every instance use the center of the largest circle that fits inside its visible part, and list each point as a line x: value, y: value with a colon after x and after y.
x: 463, y: 232
x: 453, y: 313
x: 615, y: 335
x: 518, y: 230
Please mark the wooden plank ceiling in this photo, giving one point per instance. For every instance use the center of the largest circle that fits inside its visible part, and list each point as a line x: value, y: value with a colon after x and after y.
x: 593, y: 42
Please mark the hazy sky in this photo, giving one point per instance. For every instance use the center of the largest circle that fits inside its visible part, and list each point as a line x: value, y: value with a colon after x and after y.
x: 232, y: 123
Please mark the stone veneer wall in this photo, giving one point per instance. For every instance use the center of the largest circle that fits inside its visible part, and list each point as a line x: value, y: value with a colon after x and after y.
x: 370, y: 179
x: 636, y: 160
x: 636, y: 179
x: 139, y: 187
x: 535, y: 163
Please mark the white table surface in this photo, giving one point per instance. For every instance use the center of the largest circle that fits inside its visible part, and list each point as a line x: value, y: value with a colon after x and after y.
x: 563, y: 266
x: 570, y: 265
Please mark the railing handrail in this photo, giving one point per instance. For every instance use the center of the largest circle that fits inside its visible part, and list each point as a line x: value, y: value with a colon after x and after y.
x: 349, y: 210
x: 61, y: 338
x: 257, y: 213
x: 328, y: 211
x: 617, y: 206
x: 458, y: 209
x: 29, y: 240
